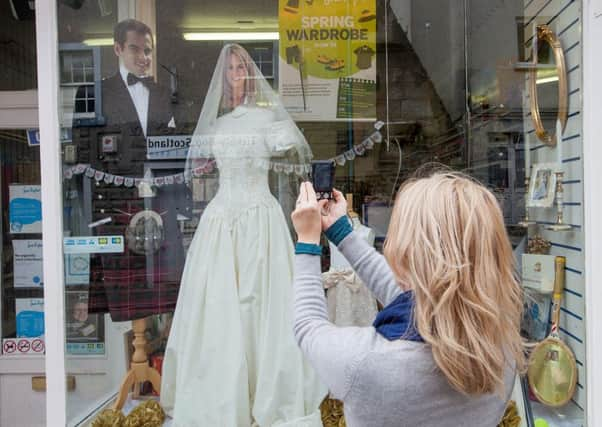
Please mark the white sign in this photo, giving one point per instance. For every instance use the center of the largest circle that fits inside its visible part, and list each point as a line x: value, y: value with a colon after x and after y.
x: 21, y: 346
x: 93, y: 244
x: 167, y: 147
x: 27, y: 263
x: 539, y: 272
x: 77, y: 269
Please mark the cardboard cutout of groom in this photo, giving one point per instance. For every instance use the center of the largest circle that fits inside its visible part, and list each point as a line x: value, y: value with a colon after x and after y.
x: 144, y: 280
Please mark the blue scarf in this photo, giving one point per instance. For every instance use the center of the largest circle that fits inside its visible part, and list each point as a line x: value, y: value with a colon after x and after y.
x: 395, y: 320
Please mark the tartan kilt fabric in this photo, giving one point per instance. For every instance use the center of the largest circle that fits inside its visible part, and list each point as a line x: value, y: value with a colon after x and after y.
x: 128, y: 285
x: 135, y: 291
x: 132, y: 286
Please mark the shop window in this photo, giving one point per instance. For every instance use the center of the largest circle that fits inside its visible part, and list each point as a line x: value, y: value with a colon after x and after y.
x: 416, y: 83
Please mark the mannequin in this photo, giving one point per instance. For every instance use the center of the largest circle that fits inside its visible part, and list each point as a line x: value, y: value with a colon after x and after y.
x: 350, y: 303
x: 144, y: 279
x: 135, y: 284
x: 231, y: 359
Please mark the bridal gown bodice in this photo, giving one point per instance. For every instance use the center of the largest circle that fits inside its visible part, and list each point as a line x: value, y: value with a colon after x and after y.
x: 244, y: 142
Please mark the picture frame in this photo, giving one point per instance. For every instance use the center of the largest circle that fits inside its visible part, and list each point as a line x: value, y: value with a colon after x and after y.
x: 542, y: 185
x: 376, y: 215
x: 81, y: 327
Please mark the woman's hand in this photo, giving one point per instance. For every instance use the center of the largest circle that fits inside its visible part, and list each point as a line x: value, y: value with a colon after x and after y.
x: 337, y: 208
x: 307, y: 214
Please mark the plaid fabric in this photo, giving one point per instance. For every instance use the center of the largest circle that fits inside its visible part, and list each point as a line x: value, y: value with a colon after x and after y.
x: 133, y: 293
x: 131, y: 286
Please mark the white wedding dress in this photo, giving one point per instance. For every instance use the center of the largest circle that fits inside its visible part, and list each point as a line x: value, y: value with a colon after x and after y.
x: 231, y: 358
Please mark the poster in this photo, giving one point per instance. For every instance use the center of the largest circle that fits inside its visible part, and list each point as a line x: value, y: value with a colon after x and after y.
x: 84, y: 331
x: 327, y: 59
x: 77, y: 269
x: 93, y: 244
x: 29, y: 317
x: 25, y: 208
x: 27, y: 263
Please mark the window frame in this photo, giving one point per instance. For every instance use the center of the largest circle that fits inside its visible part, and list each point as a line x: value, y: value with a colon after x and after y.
x: 85, y: 119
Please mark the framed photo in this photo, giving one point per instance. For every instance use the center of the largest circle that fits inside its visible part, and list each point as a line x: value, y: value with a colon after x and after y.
x: 542, y: 185
x: 377, y: 215
x: 84, y: 331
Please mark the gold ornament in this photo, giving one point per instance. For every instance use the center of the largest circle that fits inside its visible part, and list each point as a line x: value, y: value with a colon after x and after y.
x: 538, y: 245
x: 511, y: 417
x: 147, y: 414
x: 109, y: 418
x: 332, y: 413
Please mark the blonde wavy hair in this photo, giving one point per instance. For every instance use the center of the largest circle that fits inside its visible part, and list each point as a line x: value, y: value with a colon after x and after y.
x: 447, y: 242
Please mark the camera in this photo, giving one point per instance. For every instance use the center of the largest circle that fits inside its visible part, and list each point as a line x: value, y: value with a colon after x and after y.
x: 322, y: 176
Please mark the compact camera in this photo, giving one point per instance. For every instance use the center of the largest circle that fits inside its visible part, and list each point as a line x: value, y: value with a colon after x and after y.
x: 322, y: 176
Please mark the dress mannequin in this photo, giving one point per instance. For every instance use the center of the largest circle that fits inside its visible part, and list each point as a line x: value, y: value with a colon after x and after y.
x: 231, y: 359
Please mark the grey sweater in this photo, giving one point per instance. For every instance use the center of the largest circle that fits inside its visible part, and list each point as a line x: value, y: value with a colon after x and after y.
x: 381, y: 382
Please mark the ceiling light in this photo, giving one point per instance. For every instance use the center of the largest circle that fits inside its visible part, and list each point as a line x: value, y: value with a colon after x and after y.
x: 100, y: 41
x: 231, y: 36
x: 546, y: 80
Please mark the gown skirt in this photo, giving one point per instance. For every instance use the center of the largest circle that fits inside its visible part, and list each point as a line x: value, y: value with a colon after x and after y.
x: 231, y: 357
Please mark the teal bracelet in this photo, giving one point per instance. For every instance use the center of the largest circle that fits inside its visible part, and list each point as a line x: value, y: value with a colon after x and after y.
x: 339, y: 230
x: 308, y: 248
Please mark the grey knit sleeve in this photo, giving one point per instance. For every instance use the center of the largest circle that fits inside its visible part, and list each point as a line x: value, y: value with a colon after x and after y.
x: 334, y: 352
x: 371, y: 267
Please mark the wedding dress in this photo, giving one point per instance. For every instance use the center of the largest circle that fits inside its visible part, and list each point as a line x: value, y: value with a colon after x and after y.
x: 231, y: 358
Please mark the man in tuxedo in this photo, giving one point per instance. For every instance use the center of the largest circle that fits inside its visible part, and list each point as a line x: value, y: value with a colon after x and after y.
x: 144, y: 280
x: 133, y: 105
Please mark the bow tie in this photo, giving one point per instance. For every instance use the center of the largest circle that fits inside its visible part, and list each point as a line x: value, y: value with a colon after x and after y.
x: 132, y: 79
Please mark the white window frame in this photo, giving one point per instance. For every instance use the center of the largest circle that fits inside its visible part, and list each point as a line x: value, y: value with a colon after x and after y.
x: 52, y: 225
x: 592, y: 197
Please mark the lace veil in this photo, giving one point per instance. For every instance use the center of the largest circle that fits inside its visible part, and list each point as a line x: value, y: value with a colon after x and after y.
x: 290, y: 151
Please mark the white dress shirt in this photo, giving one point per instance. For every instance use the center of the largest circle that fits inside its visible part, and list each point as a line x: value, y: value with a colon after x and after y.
x: 140, y: 95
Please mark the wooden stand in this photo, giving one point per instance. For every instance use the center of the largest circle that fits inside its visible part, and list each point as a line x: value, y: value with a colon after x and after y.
x: 139, y: 371
x: 350, y: 211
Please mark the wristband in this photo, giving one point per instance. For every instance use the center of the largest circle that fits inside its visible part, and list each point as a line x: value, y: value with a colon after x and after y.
x: 339, y: 230
x: 308, y: 248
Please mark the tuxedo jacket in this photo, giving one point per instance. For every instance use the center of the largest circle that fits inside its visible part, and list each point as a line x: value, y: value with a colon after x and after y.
x: 122, y: 124
x: 131, y: 285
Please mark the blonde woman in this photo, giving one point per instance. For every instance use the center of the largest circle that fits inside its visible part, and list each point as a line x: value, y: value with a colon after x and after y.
x: 445, y: 349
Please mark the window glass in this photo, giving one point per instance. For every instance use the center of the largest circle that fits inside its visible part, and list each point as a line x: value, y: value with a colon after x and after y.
x: 21, y: 274
x: 17, y: 46
x: 189, y: 130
